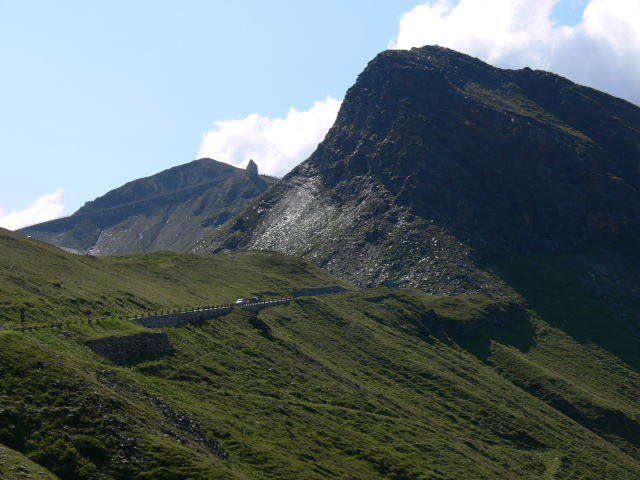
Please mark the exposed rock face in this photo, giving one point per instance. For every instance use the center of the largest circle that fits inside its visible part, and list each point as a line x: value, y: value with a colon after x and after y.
x: 171, y: 210
x: 482, y: 149
x: 436, y: 155
x: 252, y: 169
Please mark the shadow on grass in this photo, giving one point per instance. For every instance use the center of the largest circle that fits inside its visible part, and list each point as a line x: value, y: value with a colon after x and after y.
x: 587, y: 296
x: 134, y: 362
x: 520, y: 336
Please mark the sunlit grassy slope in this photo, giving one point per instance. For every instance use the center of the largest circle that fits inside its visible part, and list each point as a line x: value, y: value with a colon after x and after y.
x: 366, y: 384
x: 16, y: 465
x: 51, y: 283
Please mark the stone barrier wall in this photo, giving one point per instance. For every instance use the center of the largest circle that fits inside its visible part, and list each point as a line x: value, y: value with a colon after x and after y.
x: 181, y: 318
x: 123, y: 349
x: 192, y: 316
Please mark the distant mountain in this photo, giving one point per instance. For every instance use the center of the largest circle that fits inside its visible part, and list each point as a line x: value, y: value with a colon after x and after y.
x: 169, y: 210
x: 438, y: 161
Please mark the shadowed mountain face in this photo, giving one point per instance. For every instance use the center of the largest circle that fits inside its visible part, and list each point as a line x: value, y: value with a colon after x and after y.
x: 171, y: 210
x: 438, y: 160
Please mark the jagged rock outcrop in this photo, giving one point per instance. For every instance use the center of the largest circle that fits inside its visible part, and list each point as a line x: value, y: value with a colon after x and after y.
x: 167, y: 211
x: 252, y: 169
x: 437, y: 160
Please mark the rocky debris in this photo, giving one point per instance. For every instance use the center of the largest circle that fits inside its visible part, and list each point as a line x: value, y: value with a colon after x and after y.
x: 182, y: 421
x: 185, y: 424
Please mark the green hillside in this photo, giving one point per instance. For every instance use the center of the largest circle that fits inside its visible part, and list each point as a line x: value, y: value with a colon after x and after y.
x: 375, y: 383
x: 51, y: 283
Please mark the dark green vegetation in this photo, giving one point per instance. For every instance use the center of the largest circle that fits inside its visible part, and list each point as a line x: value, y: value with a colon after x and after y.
x: 172, y: 209
x: 367, y: 384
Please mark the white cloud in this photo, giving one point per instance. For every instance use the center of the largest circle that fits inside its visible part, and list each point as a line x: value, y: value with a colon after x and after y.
x: 276, y: 145
x: 601, y: 51
x: 46, y: 207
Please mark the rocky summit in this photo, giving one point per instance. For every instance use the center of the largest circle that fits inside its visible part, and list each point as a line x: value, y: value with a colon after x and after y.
x: 438, y: 161
x: 167, y: 211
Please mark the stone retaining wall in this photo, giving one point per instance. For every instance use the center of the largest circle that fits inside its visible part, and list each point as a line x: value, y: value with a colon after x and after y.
x: 123, y: 349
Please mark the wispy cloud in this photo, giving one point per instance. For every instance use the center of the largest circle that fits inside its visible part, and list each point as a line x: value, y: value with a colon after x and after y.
x: 601, y: 51
x: 46, y: 207
x: 276, y: 145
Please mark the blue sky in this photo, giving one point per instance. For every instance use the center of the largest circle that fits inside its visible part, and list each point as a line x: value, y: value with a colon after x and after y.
x: 96, y: 94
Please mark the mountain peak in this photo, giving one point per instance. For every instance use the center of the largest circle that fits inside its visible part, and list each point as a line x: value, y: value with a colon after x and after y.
x: 499, y: 162
x: 169, y: 210
x: 453, y: 137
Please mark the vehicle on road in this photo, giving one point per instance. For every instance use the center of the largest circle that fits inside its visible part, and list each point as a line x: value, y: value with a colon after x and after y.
x: 241, y: 301
x: 254, y: 300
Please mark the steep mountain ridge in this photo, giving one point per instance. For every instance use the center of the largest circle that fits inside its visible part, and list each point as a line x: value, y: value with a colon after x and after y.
x: 438, y: 160
x: 171, y: 209
x: 175, y: 179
